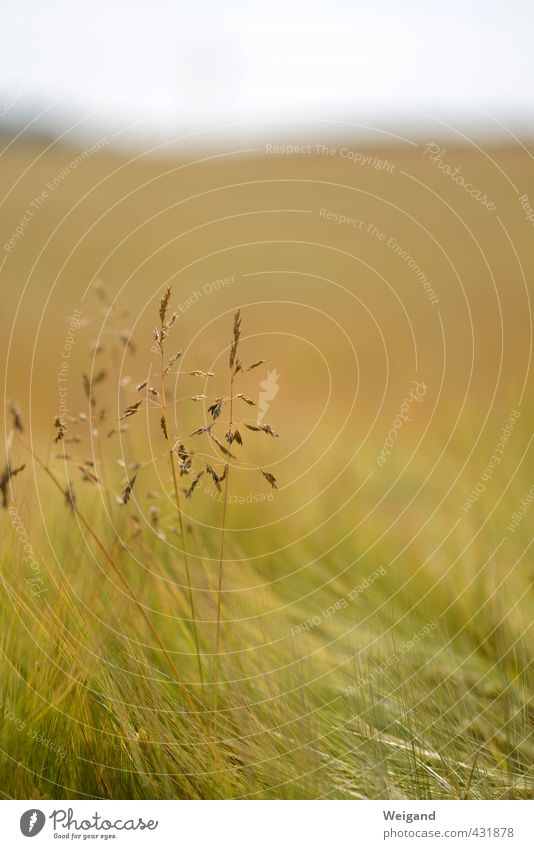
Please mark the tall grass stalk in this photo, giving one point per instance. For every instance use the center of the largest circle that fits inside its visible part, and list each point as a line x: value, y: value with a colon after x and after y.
x: 164, y: 328
x: 223, y: 529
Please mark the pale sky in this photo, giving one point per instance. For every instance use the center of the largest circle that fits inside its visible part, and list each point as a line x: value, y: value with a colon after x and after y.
x: 162, y: 68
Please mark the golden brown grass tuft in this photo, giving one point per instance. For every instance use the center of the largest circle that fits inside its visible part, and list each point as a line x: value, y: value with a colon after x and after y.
x: 224, y: 432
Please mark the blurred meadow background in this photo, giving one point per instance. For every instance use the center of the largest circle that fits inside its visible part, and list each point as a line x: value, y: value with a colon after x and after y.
x: 374, y: 636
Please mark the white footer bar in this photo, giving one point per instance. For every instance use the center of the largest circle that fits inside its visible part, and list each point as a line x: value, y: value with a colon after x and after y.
x: 268, y: 824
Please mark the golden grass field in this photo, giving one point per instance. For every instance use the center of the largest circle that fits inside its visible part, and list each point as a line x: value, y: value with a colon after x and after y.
x: 375, y: 636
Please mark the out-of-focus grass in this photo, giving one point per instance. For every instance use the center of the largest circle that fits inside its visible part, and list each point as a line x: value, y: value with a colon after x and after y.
x: 416, y: 685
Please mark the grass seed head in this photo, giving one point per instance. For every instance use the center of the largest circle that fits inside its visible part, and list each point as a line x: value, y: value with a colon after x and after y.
x: 263, y: 428
x: 221, y: 446
x: 248, y: 401
x: 184, y: 459
x: 194, y: 483
x: 236, y: 337
x: 61, y: 429
x: 16, y: 416
x: 256, y: 364
x: 70, y: 497
x: 270, y: 478
x: 125, y: 497
x: 131, y: 410
x: 6, y: 476
x: 215, y: 408
x: 164, y: 304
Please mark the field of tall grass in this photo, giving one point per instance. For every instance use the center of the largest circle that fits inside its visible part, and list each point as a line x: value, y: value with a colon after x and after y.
x: 265, y: 529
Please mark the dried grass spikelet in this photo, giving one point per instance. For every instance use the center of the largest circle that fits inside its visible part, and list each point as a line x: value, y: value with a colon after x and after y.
x: 144, y: 385
x: 70, y: 497
x: 16, y: 416
x: 131, y: 410
x: 236, y: 337
x: 217, y: 479
x: 194, y: 483
x: 220, y: 445
x: 200, y: 430
x: 185, y: 459
x: 98, y: 377
x: 215, y: 408
x: 113, y: 431
x: 164, y: 304
x: 233, y: 435
x: 87, y: 475
x: 244, y: 398
x: 160, y: 333
x: 101, y: 294
x: 87, y: 388
x: 125, y: 337
x: 172, y: 361
x: 270, y: 478
x: 5, y: 477
x: 90, y: 382
x: 264, y: 428
x: 256, y: 364
x: 61, y: 430
x: 125, y: 497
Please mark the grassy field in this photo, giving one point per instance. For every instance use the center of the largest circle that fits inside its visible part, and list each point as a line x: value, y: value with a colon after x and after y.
x: 375, y: 628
